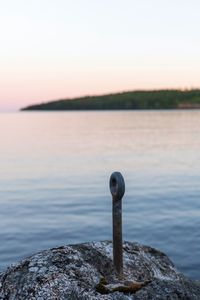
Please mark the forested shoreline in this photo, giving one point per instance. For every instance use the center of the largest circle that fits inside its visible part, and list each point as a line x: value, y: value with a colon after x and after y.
x: 155, y: 99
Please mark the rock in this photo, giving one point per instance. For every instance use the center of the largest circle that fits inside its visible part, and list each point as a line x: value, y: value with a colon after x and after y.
x: 77, y: 271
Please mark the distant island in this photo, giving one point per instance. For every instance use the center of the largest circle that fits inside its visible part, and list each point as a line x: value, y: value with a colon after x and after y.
x: 152, y: 99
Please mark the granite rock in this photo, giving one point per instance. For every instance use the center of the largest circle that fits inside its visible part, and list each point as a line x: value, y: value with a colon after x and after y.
x: 76, y: 271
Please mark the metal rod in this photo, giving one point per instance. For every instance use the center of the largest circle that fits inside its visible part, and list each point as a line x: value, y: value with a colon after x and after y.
x: 117, y: 189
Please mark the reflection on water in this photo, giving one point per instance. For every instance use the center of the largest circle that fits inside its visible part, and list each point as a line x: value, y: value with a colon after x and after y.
x: 54, y: 177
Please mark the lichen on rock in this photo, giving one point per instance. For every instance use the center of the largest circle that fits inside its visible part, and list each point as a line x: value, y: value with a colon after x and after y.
x: 74, y: 271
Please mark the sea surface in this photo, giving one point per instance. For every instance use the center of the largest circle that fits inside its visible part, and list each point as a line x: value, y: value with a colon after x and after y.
x: 54, y: 181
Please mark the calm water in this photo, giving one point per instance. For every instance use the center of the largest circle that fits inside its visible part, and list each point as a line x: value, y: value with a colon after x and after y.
x: 54, y: 173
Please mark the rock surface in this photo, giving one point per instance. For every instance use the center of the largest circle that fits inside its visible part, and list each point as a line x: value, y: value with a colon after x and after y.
x: 75, y: 272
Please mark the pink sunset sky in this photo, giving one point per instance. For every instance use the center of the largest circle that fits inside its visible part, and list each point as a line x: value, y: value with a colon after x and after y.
x: 58, y: 49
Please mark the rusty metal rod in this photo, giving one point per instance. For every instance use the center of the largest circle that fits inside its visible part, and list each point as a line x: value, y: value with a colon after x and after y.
x: 117, y: 189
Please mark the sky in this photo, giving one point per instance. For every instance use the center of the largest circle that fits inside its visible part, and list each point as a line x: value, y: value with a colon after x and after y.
x: 54, y: 49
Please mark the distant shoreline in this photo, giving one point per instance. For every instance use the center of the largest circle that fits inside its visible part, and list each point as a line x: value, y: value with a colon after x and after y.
x: 135, y: 100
